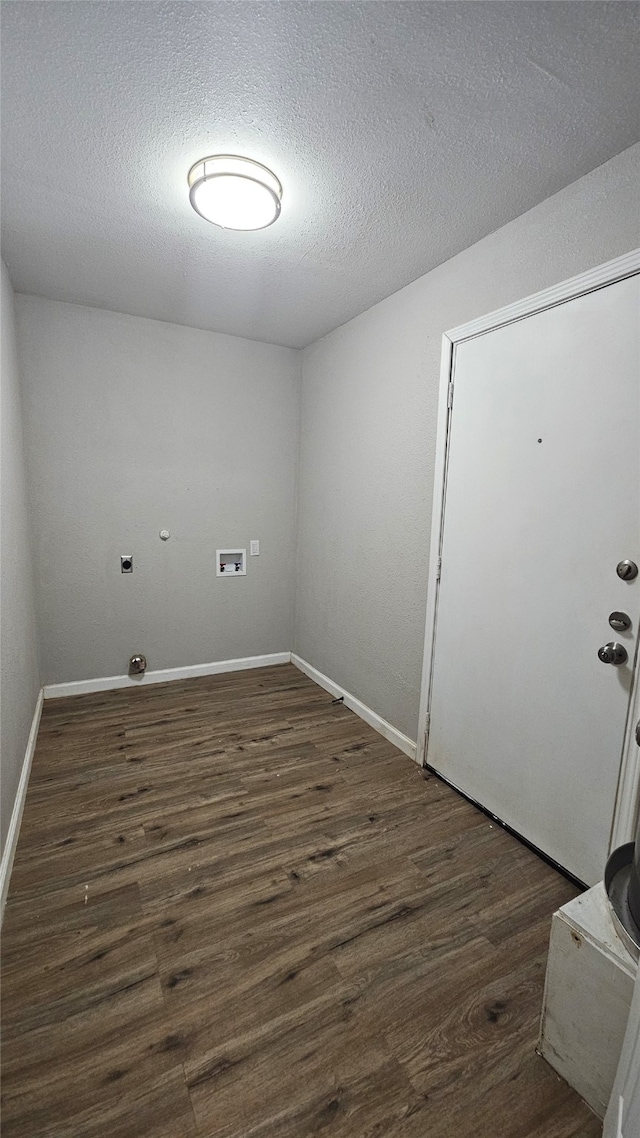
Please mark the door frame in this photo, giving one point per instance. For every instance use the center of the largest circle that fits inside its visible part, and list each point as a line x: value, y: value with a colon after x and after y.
x: 624, y: 1104
x: 628, y: 791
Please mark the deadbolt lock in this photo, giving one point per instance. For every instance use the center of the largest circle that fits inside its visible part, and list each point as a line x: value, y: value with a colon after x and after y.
x: 613, y: 653
x: 627, y: 570
x: 620, y: 621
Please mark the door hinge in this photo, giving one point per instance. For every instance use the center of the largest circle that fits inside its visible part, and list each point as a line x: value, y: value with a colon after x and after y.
x: 438, y: 569
x: 425, y: 741
x: 450, y: 396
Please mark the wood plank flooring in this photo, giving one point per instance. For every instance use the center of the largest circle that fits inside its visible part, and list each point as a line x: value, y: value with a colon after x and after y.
x: 237, y: 912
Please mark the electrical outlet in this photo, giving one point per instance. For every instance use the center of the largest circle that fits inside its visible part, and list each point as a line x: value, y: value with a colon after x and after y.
x: 254, y: 548
x: 126, y: 563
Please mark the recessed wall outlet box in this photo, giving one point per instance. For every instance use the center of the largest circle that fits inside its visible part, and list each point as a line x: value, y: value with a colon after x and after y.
x: 254, y: 548
x: 126, y: 563
x: 231, y: 562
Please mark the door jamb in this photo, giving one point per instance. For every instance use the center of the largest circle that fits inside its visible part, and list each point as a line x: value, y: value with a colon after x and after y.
x: 628, y: 796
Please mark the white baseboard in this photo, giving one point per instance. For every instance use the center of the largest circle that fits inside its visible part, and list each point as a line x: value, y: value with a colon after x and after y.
x: 110, y: 683
x: 9, y: 851
x: 402, y: 742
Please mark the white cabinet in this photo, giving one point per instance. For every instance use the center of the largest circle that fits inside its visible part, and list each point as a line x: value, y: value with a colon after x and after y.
x: 588, y: 992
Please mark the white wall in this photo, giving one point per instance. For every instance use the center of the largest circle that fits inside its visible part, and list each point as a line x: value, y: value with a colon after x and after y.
x: 18, y: 647
x: 131, y: 426
x: 368, y: 422
x: 134, y: 424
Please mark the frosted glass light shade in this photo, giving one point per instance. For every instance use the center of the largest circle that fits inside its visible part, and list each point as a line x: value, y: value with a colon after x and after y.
x: 234, y: 192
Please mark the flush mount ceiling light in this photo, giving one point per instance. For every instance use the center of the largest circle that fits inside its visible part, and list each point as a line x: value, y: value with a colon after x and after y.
x: 234, y: 192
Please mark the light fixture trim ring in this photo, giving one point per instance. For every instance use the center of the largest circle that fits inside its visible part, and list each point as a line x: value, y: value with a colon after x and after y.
x: 205, y: 177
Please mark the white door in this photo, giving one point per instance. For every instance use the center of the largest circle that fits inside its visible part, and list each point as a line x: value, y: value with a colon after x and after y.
x: 542, y: 501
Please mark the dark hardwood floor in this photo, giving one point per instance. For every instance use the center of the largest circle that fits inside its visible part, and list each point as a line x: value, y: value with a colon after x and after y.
x: 237, y: 912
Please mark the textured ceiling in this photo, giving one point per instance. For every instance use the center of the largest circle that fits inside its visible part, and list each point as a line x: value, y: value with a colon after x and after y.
x: 402, y: 132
